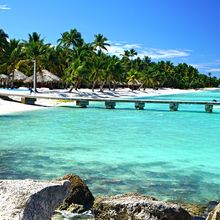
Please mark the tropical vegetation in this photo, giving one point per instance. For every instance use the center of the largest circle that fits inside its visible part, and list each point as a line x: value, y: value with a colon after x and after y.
x: 82, y: 64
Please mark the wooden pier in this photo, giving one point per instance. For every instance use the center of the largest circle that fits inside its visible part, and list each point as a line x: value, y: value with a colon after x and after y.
x: 110, y: 103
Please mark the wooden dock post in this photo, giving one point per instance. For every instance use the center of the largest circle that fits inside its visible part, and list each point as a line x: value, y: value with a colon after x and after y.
x: 208, y: 108
x: 110, y: 104
x: 82, y: 103
x: 28, y: 100
x: 139, y: 105
x: 174, y: 106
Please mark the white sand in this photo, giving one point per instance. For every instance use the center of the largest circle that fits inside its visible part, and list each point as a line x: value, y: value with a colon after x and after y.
x: 7, y: 107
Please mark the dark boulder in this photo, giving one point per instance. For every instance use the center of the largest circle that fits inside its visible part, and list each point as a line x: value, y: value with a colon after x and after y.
x: 80, y: 198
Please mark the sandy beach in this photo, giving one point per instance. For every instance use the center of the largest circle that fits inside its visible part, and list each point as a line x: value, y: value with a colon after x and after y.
x: 8, y: 107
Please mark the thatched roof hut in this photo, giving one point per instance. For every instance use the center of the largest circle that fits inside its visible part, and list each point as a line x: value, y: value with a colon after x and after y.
x: 3, y: 77
x: 44, y: 77
x: 17, y: 76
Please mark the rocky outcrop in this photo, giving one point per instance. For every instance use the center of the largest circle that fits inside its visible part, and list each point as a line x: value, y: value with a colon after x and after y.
x: 31, y: 200
x: 199, y: 211
x: 80, y: 198
x: 137, y: 207
x: 214, y: 214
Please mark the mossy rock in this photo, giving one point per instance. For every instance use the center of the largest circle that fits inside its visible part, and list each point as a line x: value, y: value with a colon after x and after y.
x: 80, y: 194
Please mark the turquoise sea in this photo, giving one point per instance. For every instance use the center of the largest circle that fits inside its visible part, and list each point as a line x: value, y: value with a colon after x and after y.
x: 169, y: 155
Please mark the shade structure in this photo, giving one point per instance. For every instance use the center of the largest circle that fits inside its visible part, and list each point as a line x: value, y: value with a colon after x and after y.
x: 44, y: 77
x: 3, y: 77
x: 17, y: 76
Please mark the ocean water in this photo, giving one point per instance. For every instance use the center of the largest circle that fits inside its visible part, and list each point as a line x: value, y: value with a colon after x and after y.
x: 169, y: 155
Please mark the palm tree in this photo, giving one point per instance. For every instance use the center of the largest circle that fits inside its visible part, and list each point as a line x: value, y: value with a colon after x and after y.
x: 132, y: 78
x: 128, y: 57
x: 129, y: 53
x: 100, y: 43
x: 166, y: 72
x: 132, y: 53
x: 97, y: 72
x: 76, y: 73
x: 3, y: 40
x: 114, y: 71
x: 12, y: 56
x: 148, y: 78
x: 73, y: 39
x: 210, y: 78
x: 34, y: 50
x: 35, y: 37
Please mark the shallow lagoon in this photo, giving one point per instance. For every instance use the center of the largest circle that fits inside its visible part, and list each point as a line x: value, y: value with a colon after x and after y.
x: 170, y: 155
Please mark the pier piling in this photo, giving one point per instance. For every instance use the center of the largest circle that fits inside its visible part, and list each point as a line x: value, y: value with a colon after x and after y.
x: 139, y: 105
x: 208, y: 108
x: 174, y: 106
x: 29, y: 101
x: 110, y: 104
x: 82, y: 103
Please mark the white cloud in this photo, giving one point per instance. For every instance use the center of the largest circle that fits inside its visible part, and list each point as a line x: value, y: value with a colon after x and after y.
x: 214, y: 70
x: 212, y: 66
x: 119, y: 48
x: 155, y: 53
x: 132, y: 46
x: 200, y: 66
x: 4, y: 7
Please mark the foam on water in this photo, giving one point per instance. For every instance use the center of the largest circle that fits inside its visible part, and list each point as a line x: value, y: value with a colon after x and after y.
x: 170, y: 155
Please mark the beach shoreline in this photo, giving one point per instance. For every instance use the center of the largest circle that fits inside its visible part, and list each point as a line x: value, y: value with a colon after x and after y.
x: 10, y: 107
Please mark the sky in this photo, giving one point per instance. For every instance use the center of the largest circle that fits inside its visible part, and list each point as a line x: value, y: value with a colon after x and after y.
x: 176, y: 30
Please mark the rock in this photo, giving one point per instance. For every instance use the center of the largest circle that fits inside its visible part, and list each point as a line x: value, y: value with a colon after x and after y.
x: 200, y: 211
x: 214, y: 214
x: 197, y: 211
x: 61, y: 215
x: 31, y: 200
x: 137, y: 207
x: 80, y: 195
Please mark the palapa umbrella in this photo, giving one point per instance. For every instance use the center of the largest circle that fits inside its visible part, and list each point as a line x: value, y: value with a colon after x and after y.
x: 17, y: 76
x: 44, y: 78
x: 4, y: 79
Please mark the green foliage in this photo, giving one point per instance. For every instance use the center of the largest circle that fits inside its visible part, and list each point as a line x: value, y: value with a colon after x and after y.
x: 88, y: 64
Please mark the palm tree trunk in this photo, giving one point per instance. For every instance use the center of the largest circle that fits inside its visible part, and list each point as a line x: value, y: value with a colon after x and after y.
x: 101, y: 86
x: 71, y: 88
x: 114, y: 86
x: 93, y: 85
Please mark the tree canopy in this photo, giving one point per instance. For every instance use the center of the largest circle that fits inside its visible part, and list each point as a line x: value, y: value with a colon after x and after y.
x: 88, y: 64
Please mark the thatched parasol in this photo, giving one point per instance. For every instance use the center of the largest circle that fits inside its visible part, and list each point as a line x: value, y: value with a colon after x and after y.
x: 44, y: 77
x: 3, y: 77
x: 17, y: 76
